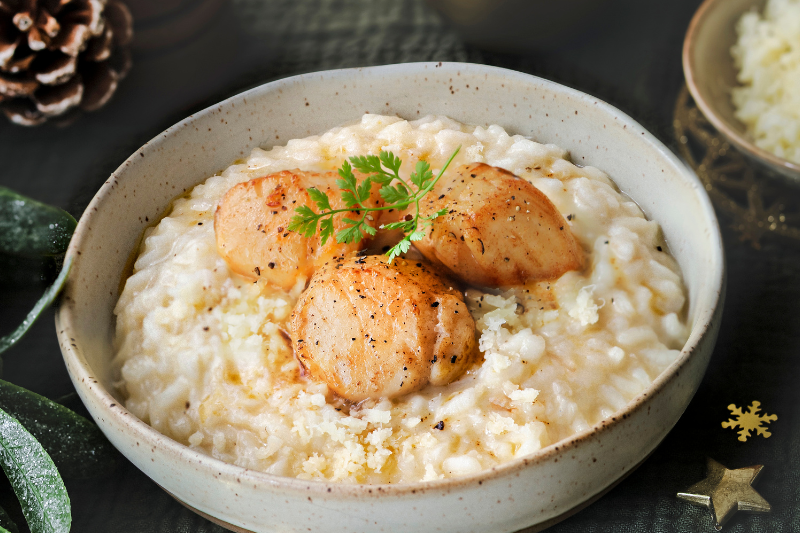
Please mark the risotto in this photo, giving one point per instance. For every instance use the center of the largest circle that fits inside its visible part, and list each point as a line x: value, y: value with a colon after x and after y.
x: 205, y: 359
x: 767, y: 55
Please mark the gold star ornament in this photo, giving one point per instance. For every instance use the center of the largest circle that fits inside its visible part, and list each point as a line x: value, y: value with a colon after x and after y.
x: 726, y: 491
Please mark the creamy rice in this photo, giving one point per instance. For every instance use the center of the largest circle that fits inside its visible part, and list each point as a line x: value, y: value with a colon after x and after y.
x: 767, y: 55
x: 204, y: 357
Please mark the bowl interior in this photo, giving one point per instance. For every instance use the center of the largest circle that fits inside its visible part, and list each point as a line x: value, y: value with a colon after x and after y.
x: 711, y: 74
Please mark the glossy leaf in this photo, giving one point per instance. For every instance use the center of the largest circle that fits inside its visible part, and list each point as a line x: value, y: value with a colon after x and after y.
x: 34, y: 478
x: 47, y: 298
x: 31, y: 228
x: 76, y: 445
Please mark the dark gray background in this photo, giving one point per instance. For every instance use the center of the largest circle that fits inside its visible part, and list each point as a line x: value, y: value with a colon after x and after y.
x: 629, y: 56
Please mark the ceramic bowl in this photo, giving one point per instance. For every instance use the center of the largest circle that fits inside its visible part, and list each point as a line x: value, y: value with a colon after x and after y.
x: 538, y: 489
x: 711, y: 74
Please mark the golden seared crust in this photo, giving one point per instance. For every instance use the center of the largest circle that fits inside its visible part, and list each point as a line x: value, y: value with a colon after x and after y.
x: 370, y: 329
x: 251, y: 224
x: 499, y: 230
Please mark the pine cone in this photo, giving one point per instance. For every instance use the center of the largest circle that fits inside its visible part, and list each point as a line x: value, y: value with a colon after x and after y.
x: 60, y: 55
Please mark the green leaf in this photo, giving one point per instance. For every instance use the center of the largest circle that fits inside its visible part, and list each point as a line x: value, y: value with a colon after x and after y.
x: 405, y: 225
x: 398, y: 249
x: 76, y: 445
x: 31, y: 228
x: 319, y: 198
x: 326, y: 229
x: 351, y: 222
x: 39, y: 488
x: 348, y: 199
x: 305, y: 213
x: 349, y: 234
x: 394, y: 193
x: 417, y: 235
x: 369, y: 229
x: 390, y: 161
x: 348, y: 181
x: 304, y: 222
x: 437, y: 214
x: 364, y: 190
x: 47, y: 298
x: 6, y: 524
x: 382, y: 179
x: 367, y: 164
x: 422, y: 174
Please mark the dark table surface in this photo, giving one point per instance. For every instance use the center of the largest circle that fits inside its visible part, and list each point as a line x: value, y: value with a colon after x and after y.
x: 629, y: 56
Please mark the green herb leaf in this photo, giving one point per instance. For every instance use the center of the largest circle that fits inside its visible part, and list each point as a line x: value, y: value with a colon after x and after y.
x: 399, y: 249
x: 348, y: 181
x: 319, y: 198
x: 405, y: 225
x: 422, y: 174
x: 77, y: 447
x: 382, y: 179
x: 364, y: 190
x: 326, y: 229
x: 31, y: 228
x: 47, y: 298
x: 394, y: 193
x: 304, y: 222
x: 349, y: 234
x: 390, y: 161
x: 6, y: 524
x: 367, y: 164
x: 417, y: 235
x: 349, y: 199
x: 34, y: 477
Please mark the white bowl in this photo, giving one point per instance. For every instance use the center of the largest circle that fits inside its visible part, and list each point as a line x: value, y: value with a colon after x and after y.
x: 538, y: 489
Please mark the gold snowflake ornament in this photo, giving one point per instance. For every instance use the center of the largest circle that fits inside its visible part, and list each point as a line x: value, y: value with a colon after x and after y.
x: 749, y: 421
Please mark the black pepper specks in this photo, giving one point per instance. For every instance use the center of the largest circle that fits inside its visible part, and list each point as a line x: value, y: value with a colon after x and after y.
x: 439, y: 425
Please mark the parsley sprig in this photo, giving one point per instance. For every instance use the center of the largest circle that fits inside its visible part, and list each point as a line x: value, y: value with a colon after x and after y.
x: 397, y: 193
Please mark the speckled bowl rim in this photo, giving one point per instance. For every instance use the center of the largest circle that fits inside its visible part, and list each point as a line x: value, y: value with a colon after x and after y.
x: 785, y: 167
x: 110, y: 406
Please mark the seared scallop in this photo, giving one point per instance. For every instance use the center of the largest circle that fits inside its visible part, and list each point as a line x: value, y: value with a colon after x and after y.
x: 251, y: 225
x: 499, y: 229
x: 370, y: 329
